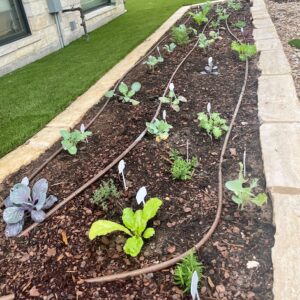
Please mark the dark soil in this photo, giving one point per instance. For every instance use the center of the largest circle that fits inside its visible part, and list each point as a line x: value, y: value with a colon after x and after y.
x: 41, y: 265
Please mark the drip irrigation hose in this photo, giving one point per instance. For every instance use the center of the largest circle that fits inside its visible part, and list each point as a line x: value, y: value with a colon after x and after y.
x: 171, y: 262
x: 116, y: 160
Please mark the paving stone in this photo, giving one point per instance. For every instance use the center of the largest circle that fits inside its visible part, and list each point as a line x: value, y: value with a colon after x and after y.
x: 286, y: 252
x: 263, y: 23
x: 264, y: 33
x: 280, y: 143
x: 269, y: 44
x: 274, y: 62
x: 277, y: 99
x: 259, y: 13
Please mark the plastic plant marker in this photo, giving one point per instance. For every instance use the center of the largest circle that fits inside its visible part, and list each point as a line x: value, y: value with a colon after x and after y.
x: 171, y: 87
x: 209, y: 108
x: 140, y: 196
x: 164, y: 114
x: 187, y: 150
x: 194, y: 286
x: 121, y: 167
x: 82, y: 128
x: 25, y: 181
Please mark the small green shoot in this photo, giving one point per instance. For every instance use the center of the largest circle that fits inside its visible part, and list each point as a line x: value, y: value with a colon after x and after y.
x: 240, y: 24
x: 126, y: 93
x: 244, y: 195
x: 244, y: 51
x: 172, y: 99
x: 234, y: 4
x: 204, y: 42
x: 105, y: 192
x: 135, y: 226
x: 222, y: 14
x: 180, y: 34
x: 185, y: 269
x: 152, y: 61
x: 182, y: 169
x: 170, y: 48
x: 201, y: 16
x: 159, y: 128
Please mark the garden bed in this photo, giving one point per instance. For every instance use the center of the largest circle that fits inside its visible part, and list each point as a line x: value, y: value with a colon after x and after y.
x: 42, y: 264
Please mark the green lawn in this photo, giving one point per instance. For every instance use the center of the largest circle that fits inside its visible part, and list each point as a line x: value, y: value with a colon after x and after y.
x: 31, y: 96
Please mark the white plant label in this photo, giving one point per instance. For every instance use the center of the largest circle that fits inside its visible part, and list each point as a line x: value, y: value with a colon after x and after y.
x: 194, y: 286
x: 210, y: 61
x: 140, y: 196
x: 252, y: 264
x: 171, y: 87
x: 164, y: 114
x: 209, y: 108
x: 25, y: 181
x: 82, y: 128
x: 121, y: 167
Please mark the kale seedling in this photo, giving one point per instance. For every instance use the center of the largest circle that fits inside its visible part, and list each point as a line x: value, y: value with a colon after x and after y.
x: 71, y: 139
x: 210, y: 69
x: 240, y: 24
x: 170, y: 48
x: 233, y: 4
x: 152, y: 61
x: 180, y: 34
x: 204, y: 42
x: 185, y: 269
x: 244, y: 50
x: 23, y: 200
x: 159, y: 128
x: 244, y: 195
x: 173, y: 99
x: 106, y: 191
x: 135, y: 224
x: 126, y: 93
x: 182, y: 169
x: 213, y: 124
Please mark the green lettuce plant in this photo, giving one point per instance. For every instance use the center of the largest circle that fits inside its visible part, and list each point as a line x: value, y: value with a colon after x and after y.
x: 244, y: 195
x: 172, y: 99
x: 126, y: 93
x: 244, y: 51
x: 213, y: 124
x: 170, y: 48
x: 200, y: 17
x: 135, y: 225
x: 71, y: 139
x: 185, y: 269
x: 159, y: 128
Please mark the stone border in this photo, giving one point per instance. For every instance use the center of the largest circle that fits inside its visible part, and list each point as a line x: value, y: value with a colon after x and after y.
x: 279, y: 114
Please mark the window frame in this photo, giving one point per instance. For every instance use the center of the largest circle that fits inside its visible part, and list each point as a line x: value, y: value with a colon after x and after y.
x: 21, y: 35
x: 86, y: 11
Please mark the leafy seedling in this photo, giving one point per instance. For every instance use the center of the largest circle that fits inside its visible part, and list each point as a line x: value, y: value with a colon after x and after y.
x: 126, y: 94
x: 159, y: 128
x: 240, y: 24
x: 210, y: 69
x: 71, y: 139
x: 185, y: 269
x: 22, y: 200
x: 105, y: 192
x: 213, y: 124
x: 295, y: 43
x: 234, y: 4
x: 244, y: 51
x: 244, y: 195
x: 200, y: 17
x: 172, y: 99
x: 135, y: 224
x: 203, y: 41
x: 215, y: 35
x: 152, y: 61
x: 180, y: 34
x: 170, y: 48
x: 222, y: 14
x: 182, y: 169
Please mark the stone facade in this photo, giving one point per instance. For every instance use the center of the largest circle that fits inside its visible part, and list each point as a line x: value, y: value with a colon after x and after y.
x: 45, y: 37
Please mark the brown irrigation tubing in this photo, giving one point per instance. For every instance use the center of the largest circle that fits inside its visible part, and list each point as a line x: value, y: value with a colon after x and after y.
x: 171, y: 262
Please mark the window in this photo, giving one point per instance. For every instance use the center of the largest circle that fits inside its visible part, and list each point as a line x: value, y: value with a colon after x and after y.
x: 13, y: 22
x: 88, y: 5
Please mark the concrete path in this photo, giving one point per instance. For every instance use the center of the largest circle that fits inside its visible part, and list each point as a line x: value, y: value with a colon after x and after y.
x: 279, y: 113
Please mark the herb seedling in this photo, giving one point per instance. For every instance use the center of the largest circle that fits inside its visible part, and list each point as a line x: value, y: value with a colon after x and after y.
x: 240, y: 24
x: 170, y: 48
x: 244, y: 51
x: 105, y: 192
x: 213, y: 124
x: 244, y: 195
x: 210, y: 69
x: 126, y: 93
x: 233, y: 4
x: 172, y: 99
x: 180, y: 34
x: 22, y: 200
x: 185, y: 269
x: 135, y: 224
x: 182, y: 169
x: 159, y: 128
x: 71, y: 139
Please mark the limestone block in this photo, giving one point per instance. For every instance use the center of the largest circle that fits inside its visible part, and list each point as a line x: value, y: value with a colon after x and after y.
x: 280, y: 149
x: 263, y: 23
x: 264, y: 33
x: 268, y: 44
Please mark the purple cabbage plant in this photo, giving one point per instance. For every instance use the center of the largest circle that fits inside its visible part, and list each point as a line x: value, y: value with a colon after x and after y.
x: 23, y: 201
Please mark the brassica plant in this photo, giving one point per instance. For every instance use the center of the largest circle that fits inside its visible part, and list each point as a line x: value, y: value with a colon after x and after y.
x: 240, y: 24
x: 71, y: 139
x: 135, y: 224
x: 159, y: 128
x: 210, y: 69
x: 213, y: 124
x: 204, y: 42
x: 233, y: 4
x: 22, y: 200
x: 244, y: 51
x: 172, y: 99
x: 180, y: 34
x: 152, y: 61
x: 222, y: 14
x: 170, y: 48
x: 244, y: 195
x: 126, y: 93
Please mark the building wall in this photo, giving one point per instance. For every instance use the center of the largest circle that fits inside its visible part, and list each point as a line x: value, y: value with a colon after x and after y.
x: 45, y: 37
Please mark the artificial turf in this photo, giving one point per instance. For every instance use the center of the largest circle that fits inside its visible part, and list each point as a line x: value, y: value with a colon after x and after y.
x: 33, y: 95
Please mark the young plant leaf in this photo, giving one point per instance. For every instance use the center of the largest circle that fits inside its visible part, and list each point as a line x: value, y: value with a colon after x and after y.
x: 133, y: 246
x: 148, y: 233
x: 150, y: 208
